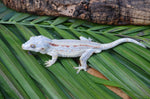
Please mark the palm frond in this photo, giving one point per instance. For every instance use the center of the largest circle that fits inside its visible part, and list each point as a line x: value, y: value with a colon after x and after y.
x: 127, y: 66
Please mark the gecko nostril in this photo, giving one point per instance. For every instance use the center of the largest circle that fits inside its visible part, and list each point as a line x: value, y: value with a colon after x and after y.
x: 22, y: 46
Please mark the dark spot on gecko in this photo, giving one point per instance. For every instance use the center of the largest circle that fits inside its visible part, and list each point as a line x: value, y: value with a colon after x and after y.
x: 75, y: 46
x: 42, y: 48
x: 65, y: 45
x: 52, y: 44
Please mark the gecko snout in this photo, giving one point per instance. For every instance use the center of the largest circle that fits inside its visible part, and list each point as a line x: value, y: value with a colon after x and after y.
x: 23, y: 46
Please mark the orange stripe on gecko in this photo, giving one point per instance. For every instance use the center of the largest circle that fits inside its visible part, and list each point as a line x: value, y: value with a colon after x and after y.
x: 65, y: 45
x: 52, y: 44
x: 90, y: 46
x: 86, y: 46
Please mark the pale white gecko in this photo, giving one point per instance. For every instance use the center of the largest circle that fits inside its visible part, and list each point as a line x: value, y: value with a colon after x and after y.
x: 82, y: 48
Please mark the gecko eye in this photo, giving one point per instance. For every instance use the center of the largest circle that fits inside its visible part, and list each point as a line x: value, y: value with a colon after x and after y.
x: 32, y: 46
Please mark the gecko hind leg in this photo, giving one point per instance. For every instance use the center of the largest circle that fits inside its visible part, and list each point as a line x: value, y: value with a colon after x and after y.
x: 83, y: 60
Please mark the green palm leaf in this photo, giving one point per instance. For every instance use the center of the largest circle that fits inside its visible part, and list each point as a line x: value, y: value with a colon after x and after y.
x: 22, y: 75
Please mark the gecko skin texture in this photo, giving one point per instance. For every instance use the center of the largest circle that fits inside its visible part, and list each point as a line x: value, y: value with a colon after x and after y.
x: 82, y: 48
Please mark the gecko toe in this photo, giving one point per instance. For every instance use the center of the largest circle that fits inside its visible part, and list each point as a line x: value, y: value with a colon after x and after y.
x: 48, y: 64
x: 80, y: 68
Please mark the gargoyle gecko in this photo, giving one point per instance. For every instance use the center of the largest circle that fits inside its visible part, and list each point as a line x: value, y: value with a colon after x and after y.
x: 82, y: 48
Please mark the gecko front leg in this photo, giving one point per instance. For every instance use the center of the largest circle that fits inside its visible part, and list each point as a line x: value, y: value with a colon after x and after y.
x: 53, y: 60
x: 83, y: 60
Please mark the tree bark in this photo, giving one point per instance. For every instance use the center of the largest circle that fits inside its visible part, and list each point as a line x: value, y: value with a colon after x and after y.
x: 117, y: 12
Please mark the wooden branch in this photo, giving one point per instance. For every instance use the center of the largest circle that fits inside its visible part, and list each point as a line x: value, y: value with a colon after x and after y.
x: 117, y: 12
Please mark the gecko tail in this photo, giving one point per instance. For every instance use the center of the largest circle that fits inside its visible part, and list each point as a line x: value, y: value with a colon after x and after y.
x: 119, y: 41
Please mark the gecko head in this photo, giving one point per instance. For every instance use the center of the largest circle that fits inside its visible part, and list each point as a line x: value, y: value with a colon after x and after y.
x: 37, y: 44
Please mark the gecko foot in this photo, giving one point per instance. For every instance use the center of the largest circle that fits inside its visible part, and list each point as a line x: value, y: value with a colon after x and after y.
x: 48, y: 63
x: 80, y: 68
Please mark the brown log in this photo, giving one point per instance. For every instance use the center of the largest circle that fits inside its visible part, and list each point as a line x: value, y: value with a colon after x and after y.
x: 117, y: 12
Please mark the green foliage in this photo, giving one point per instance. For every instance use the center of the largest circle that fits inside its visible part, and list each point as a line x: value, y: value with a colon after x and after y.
x: 23, y: 75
